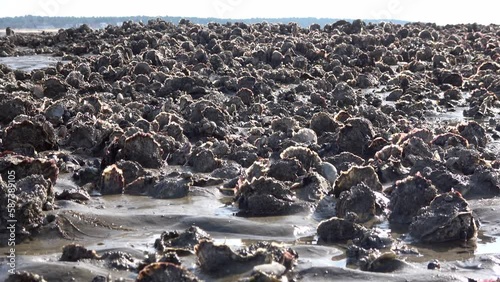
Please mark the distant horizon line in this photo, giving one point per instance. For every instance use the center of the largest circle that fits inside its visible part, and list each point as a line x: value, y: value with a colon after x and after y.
x: 302, y: 21
x: 195, y: 17
x: 36, y: 22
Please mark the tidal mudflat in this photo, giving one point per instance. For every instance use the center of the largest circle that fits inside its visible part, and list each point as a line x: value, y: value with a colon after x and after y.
x: 251, y: 152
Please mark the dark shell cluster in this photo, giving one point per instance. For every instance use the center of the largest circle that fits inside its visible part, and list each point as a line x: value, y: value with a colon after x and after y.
x: 352, y: 123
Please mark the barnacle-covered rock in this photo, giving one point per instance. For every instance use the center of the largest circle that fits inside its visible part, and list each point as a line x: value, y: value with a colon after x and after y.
x: 447, y: 218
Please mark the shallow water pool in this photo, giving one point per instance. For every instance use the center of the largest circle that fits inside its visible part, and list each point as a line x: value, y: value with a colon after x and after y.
x: 29, y: 63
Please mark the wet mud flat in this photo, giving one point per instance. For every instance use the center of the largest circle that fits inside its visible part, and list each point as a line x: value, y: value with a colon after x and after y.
x: 264, y: 152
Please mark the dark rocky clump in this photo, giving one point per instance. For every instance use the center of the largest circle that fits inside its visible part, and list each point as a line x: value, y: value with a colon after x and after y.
x: 286, y: 169
x: 176, y: 241
x: 76, y: 252
x: 345, y: 160
x: 382, y: 262
x: 415, y: 149
x: 171, y: 188
x: 143, y: 149
x: 115, y: 260
x: 265, y: 197
x: 361, y: 202
x: 408, y: 197
x: 144, y: 185
x: 25, y: 277
x: 357, y: 175
x: 12, y: 106
x: 323, y: 122
x: 131, y: 170
x: 165, y: 271
x: 26, y: 166
x: 203, y: 161
x: 474, y: 133
x: 485, y: 182
x: 221, y: 259
x: 36, y: 186
x: 343, y: 95
x: 355, y: 136
x: 55, y: 88
x: 447, y: 218
x: 305, y: 156
x: 464, y: 161
x: 338, y: 229
x: 313, y: 187
x: 112, y: 181
x: 78, y: 195
x: 25, y: 201
x: 38, y: 135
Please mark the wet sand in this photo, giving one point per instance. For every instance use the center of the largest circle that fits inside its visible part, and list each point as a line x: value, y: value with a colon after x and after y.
x: 132, y: 223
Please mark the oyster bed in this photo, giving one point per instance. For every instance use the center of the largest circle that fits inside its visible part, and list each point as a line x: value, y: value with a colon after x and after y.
x: 182, y: 152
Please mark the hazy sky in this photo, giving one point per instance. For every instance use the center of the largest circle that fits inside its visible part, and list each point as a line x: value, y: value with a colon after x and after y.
x: 441, y: 12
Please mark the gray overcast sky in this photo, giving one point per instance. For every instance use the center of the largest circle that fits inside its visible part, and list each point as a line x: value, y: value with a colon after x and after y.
x: 441, y: 12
